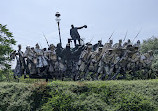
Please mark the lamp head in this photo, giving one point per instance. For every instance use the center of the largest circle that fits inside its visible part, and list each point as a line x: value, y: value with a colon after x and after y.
x: 57, y: 14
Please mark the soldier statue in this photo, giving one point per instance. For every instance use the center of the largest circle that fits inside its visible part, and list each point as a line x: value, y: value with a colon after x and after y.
x: 41, y: 60
x: 30, y: 60
x: 97, y: 45
x: 67, y: 59
x: 20, y: 66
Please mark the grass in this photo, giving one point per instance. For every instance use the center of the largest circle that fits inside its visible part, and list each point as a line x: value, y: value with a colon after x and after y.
x: 138, y: 95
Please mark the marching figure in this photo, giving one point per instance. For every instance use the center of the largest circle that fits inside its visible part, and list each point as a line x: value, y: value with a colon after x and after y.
x: 85, y: 59
x: 30, y: 60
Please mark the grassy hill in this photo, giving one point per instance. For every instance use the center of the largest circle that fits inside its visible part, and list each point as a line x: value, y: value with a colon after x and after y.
x: 139, y: 95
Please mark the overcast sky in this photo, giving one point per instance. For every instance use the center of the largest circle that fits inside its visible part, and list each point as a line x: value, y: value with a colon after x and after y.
x: 29, y: 19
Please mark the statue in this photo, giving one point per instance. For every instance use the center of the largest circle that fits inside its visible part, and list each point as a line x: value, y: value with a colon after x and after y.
x: 74, y: 33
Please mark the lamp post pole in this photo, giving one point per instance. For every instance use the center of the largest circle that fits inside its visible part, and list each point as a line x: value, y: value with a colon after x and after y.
x: 59, y: 32
x: 58, y: 22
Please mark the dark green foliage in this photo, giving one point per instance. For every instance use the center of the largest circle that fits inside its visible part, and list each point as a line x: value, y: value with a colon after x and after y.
x: 150, y: 44
x: 140, y: 95
x: 22, y: 97
x: 6, y: 40
x: 102, y: 96
x: 155, y: 63
x: 6, y: 75
x: 142, y: 74
x: 133, y: 102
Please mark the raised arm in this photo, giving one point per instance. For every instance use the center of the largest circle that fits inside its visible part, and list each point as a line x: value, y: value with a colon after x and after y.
x: 85, y: 26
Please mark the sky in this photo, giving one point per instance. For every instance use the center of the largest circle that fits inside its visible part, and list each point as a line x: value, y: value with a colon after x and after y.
x: 29, y: 19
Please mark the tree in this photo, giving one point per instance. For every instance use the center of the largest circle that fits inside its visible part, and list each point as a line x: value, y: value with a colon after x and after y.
x: 6, y: 42
x: 151, y: 44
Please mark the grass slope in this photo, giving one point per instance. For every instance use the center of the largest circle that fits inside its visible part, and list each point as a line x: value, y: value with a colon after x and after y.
x: 139, y: 95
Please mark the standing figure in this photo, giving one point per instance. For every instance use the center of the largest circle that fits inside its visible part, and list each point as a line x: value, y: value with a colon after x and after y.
x: 105, y: 65
x: 135, y: 61
x: 41, y: 61
x: 30, y: 64
x: 20, y: 67
x: 74, y: 33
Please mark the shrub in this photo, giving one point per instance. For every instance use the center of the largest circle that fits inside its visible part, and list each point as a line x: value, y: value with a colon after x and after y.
x: 99, y: 96
x: 22, y: 97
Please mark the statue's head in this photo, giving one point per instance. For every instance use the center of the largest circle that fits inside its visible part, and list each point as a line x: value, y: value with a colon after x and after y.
x: 72, y: 26
x: 44, y: 49
x: 99, y: 41
x: 51, y: 47
x: 120, y: 41
x: 37, y: 46
x: 89, y: 46
x: 68, y: 46
x: 19, y: 46
x: 59, y: 45
x: 111, y: 41
x: 129, y: 41
x: 138, y: 42
x: 32, y: 48
x: 28, y: 47
x: 100, y: 49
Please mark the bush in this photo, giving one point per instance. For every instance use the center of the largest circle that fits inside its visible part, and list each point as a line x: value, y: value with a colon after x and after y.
x: 21, y: 97
x: 133, y: 102
x: 99, y: 96
x: 140, y: 95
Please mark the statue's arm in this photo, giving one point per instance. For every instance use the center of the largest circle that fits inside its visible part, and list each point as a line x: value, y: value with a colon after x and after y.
x: 85, y: 26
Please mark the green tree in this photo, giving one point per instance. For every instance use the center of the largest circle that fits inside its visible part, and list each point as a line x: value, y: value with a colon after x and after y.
x: 6, y: 42
x: 150, y: 44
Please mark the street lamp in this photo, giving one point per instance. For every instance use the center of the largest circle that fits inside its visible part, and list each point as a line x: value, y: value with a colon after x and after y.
x: 58, y: 21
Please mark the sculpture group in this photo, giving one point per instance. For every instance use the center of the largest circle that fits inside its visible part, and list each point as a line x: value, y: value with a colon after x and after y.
x: 84, y: 61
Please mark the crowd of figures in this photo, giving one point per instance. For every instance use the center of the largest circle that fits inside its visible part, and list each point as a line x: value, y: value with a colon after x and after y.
x: 84, y: 62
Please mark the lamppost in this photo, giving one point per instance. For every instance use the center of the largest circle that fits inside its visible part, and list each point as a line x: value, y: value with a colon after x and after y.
x: 58, y: 21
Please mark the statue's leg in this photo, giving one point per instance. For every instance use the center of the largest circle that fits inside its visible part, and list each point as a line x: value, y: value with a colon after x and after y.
x: 75, y: 42
x: 100, y: 69
x: 79, y: 41
x: 104, y: 75
x: 117, y: 72
x: 105, y: 72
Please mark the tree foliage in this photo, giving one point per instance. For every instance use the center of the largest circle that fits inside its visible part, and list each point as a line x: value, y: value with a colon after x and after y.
x: 150, y: 44
x: 6, y: 42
